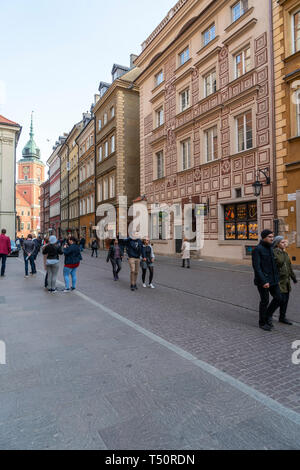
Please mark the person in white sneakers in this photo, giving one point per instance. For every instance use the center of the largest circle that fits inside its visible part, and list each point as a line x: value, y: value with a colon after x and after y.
x: 148, y: 263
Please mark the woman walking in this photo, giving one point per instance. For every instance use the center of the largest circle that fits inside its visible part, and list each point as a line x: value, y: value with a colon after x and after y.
x: 46, y: 241
x: 29, y: 251
x: 286, y: 273
x: 52, y: 252
x: 148, y: 264
x: 185, y: 250
x: 72, y: 261
x: 115, y: 255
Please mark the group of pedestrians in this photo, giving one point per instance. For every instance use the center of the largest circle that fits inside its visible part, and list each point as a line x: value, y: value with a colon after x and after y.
x: 52, y: 250
x: 273, y: 274
x: 270, y: 260
x: 140, y: 254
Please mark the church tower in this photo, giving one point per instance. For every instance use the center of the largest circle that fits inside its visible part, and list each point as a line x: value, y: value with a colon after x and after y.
x: 31, y: 174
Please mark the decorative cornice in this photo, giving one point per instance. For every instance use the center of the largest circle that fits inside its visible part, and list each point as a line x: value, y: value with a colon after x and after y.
x: 240, y: 31
x: 208, y: 56
x: 163, y: 23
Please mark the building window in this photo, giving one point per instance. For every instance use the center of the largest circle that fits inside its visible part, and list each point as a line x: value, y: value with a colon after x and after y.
x: 22, y: 226
x: 105, y: 119
x: 160, y: 117
x: 106, y: 149
x: 296, y: 31
x: 100, y: 191
x: 112, y: 186
x: 105, y: 192
x: 186, y: 154
x: 298, y: 115
x: 159, y: 78
x: 112, y: 112
x: 210, y: 83
x: 100, y: 154
x: 184, y: 99
x: 242, y: 62
x: 211, y: 140
x: 159, y: 226
x: 100, y: 124
x: 28, y: 213
x: 241, y: 221
x: 184, y: 56
x: 88, y: 205
x: 28, y: 226
x: 239, y: 9
x: 92, y: 203
x: 209, y: 34
x: 244, y: 132
x: 112, y: 144
x: 25, y: 177
x: 160, y: 164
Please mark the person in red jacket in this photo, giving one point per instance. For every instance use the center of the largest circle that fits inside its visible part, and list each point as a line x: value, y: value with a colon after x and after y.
x: 5, y: 249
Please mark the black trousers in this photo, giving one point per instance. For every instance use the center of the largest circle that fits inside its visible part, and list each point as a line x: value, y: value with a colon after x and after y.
x: 96, y: 251
x: 3, y: 264
x: 187, y: 262
x: 144, y: 272
x: 116, y: 265
x: 266, y: 310
x: 284, y: 305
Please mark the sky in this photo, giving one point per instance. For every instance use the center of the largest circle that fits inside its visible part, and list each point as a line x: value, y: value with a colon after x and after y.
x: 54, y: 53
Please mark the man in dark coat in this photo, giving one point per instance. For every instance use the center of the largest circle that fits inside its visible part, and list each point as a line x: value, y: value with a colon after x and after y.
x: 266, y: 279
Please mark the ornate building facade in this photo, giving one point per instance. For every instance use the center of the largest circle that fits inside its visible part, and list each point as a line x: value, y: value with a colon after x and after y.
x: 117, y: 142
x: 286, y: 20
x: 31, y: 174
x: 9, y: 136
x: 206, y: 122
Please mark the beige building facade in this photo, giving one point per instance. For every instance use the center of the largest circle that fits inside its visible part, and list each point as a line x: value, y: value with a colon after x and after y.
x: 9, y: 136
x: 286, y: 20
x: 117, y: 143
x: 87, y: 180
x: 206, y: 123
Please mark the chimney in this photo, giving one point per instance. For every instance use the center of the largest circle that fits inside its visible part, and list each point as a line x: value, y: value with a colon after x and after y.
x: 132, y: 59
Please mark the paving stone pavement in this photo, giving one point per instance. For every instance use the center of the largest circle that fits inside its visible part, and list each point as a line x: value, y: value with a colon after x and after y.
x: 78, y: 378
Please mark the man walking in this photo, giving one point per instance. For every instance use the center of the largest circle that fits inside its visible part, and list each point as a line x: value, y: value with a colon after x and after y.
x: 5, y: 249
x: 29, y: 250
x: 135, y: 250
x: 266, y: 279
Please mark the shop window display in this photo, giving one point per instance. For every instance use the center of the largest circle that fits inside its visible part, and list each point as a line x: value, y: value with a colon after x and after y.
x: 241, y: 221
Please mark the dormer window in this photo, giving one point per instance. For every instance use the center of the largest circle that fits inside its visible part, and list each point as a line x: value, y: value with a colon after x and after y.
x: 118, y: 71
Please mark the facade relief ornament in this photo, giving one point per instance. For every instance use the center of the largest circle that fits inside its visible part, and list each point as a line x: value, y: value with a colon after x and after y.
x: 226, y: 167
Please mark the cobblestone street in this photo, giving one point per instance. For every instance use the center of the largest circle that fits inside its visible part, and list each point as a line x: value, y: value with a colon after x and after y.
x: 183, y: 366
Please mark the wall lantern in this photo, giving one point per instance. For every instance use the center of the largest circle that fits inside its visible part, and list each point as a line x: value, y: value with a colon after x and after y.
x: 257, y: 186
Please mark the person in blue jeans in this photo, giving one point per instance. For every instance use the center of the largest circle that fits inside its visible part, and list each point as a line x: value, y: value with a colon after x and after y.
x: 72, y: 261
x: 29, y: 251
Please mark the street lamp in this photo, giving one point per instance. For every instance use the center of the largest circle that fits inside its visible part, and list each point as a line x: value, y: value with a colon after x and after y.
x: 257, y: 185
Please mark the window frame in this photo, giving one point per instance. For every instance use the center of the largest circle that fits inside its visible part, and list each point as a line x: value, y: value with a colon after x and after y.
x: 160, y: 157
x: 183, y: 57
x: 209, y: 30
x: 209, y: 134
x: 242, y: 10
x: 242, y: 53
x: 205, y: 77
x: 186, y: 90
x: 188, y: 157
x: 244, y: 131
x: 294, y: 48
x: 159, y: 74
x: 159, y: 113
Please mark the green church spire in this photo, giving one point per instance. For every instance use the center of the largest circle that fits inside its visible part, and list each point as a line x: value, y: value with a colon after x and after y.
x: 31, y: 151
